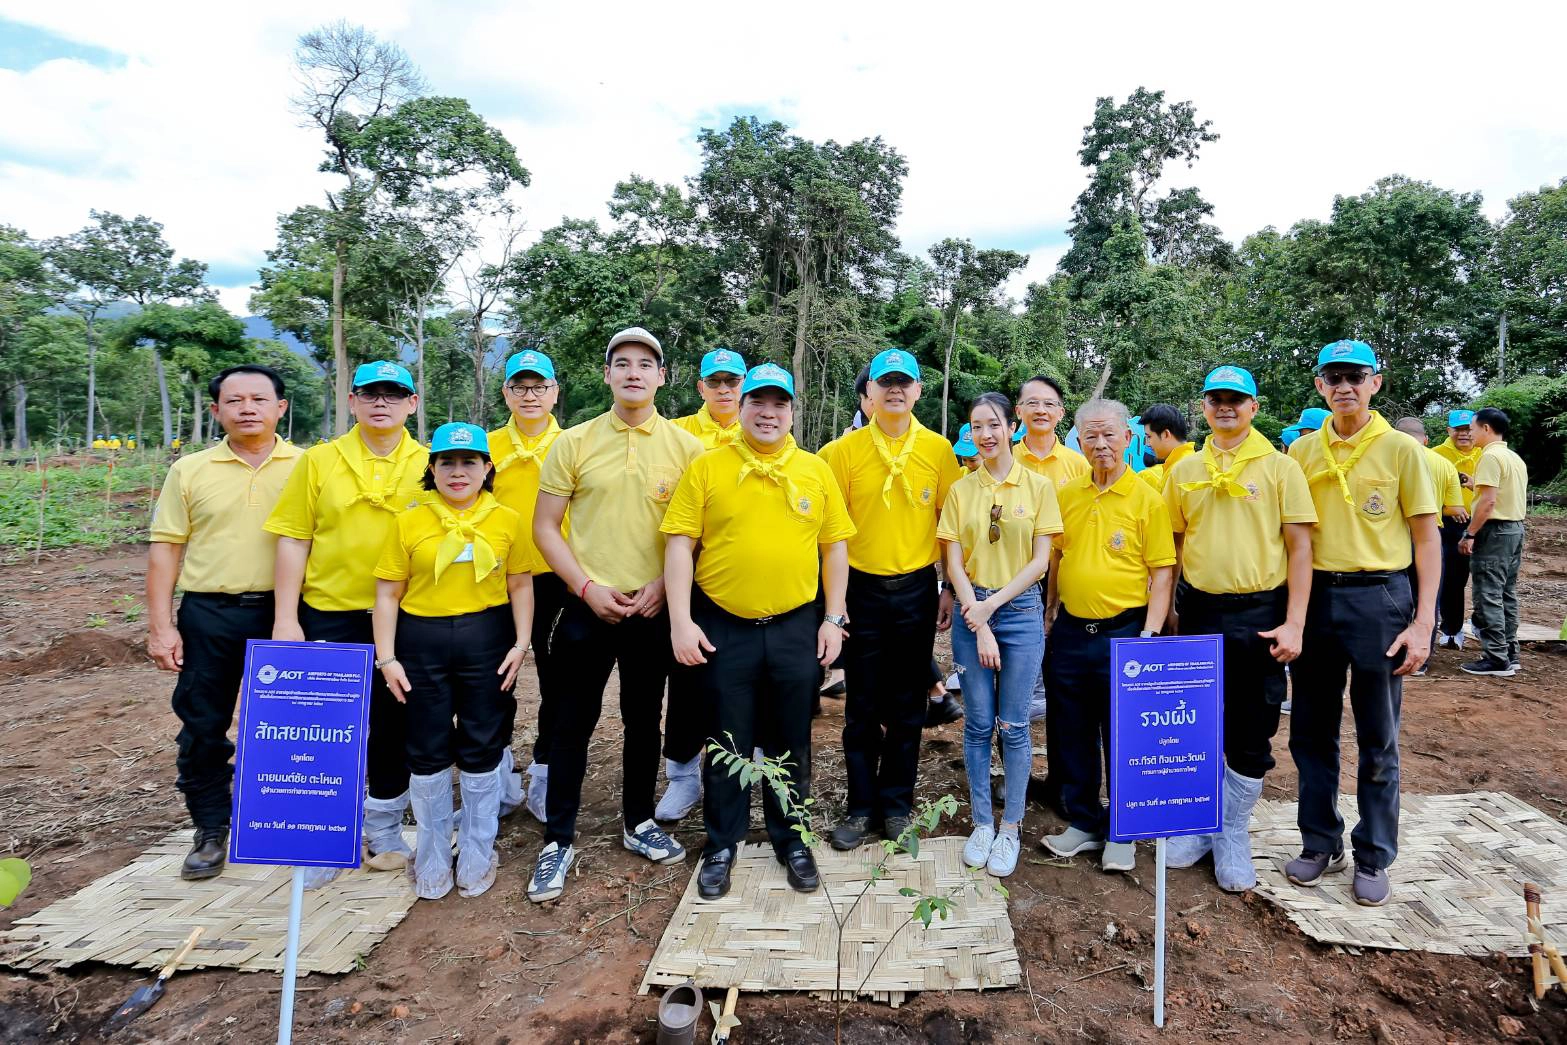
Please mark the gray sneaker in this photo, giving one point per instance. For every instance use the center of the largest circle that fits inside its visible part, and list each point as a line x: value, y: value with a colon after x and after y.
x: 1371, y: 887
x: 850, y: 833
x: 893, y: 827
x: 1308, y: 868
x: 1119, y: 856
x: 1072, y: 841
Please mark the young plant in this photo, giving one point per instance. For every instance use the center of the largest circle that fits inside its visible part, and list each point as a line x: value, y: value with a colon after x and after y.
x: 129, y: 608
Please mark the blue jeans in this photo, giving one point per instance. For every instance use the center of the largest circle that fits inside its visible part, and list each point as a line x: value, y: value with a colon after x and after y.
x: 992, y: 698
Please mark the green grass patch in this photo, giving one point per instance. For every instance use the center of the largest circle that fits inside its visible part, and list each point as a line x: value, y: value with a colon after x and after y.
x: 84, y: 505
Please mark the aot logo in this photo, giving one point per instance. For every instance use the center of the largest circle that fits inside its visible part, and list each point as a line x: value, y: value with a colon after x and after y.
x: 1133, y: 668
x: 267, y: 674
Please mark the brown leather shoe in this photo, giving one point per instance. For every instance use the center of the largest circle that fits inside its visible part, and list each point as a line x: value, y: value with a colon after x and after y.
x: 207, y: 855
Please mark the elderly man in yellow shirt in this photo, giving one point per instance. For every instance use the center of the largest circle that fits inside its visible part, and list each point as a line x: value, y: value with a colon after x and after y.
x: 207, y: 530
x: 1164, y: 429
x: 1111, y: 575
x: 1374, y: 501
x: 1460, y: 450
x: 1494, y: 543
x: 717, y: 423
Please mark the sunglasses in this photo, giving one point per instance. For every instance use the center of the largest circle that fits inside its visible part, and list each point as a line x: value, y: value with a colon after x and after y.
x: 530, y: 391
x: 397, y: 395
x: 894, y: 380
x: 995, y: 523
x: 1334, y: 378
x: 728, y: 381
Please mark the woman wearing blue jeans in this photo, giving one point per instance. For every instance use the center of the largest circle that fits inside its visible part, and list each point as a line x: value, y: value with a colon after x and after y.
x: 996, y: 527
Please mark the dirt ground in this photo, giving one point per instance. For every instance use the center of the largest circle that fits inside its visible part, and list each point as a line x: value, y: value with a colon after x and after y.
x: 87, y: 782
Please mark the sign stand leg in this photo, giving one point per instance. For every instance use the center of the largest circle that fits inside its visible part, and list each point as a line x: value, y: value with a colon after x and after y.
x: 296, y: 901
x: 1158, y: 936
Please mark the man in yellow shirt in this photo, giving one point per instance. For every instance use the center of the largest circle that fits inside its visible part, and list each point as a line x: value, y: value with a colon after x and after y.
x: 1242, y: 516
x: 1374, y: 501
x: 207, y: 530
x: 332, y: 522
x: 763, y: 511
x: 616, y: 475
x: 520, y: 447
x: 717, y: 423
x: 894, y: 474
x: 1494, y: 542
x: 1111, y: 574
x: 1452, y: 513
x: 1460, y: 450
x: 1164, y: 430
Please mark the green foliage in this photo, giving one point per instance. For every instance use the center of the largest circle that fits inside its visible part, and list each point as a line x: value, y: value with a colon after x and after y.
x: 1536, y: 408
x: 76, y: 509
x: 1531, y: 261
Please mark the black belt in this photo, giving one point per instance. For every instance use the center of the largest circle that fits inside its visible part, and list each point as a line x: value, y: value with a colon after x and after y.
x: 1362, y: 579
x: 698, y: 593
x: 894, y: 581
x: 1094, y: 627
x: 1233, y: 600
x: 243, y: 598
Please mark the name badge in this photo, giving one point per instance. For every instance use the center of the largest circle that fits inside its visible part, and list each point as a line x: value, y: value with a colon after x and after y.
x: 466, y: 555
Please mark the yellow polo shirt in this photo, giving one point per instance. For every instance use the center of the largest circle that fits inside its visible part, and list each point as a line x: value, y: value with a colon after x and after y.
x: 1061, y: 465
x: 702, y: 425
x: 760, y: 540
x: 345, y: 500
x: 1389, y: 485
x: 1111, y: 541
x: 519, y: 459
x: 1154, y: 476
x: 214, y: 503
x: 410, y: 551
x: 1444, y: 483
x: 619, y: 481
x: 1234, y: 545
x: 1028, y: 510
x: 898, y: 535
x: 1500, y: 467
x: 1464, y: 461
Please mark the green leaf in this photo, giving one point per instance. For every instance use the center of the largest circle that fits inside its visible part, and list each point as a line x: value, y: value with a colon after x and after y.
x: 911, y: 842
x: 906, y: 891
x: 14, y: 876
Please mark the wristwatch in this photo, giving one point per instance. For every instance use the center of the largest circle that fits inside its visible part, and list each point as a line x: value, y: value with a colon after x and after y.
x: 1148, y: 635
x: 836, y: 619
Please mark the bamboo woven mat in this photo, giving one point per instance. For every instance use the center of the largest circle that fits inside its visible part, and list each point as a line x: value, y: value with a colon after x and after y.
x: 1457, y: 882
x: 764, y: 936
x: 139, y: 914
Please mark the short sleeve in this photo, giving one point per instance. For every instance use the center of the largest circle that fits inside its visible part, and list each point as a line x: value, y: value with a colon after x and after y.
x: 1295, y: 503
x: 1415, y: 493
x: 836, y: 524
x: 559, y: 474
x: 294, y: 515
x: 1158, y: 537
x: 1452, y: 492
x: 948, y: 472
x: 691, y: 446
x: 1047, y: 511
x: 687, y: 509
x: 394, y: 564
x: 171, y: 517
x: 949, y: 525
x: 1488, y: 470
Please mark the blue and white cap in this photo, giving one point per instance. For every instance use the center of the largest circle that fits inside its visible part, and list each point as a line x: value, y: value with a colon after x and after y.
x: 460, y: 436
x: 963, y: 446
x: 894, y: 361
x: 1348, y: 353
x: 1231, y: 379
x: 723, y: 361
x: 530, y: 361
x: 767, y: 375
x: 383, y: 372
x: 1460, y: 418
x: 1312, y: 418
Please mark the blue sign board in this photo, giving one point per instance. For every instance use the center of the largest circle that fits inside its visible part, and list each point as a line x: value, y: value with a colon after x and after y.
x: 299, y: 775
x: 1166, y: 736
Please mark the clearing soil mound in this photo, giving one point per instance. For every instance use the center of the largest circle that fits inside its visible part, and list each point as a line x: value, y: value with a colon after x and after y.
x: 76, y: 651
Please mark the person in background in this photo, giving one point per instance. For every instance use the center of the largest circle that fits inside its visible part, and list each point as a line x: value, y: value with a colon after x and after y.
x: 1494, y: 542
x: 1449, y: 496
x: 1164, y: 427
x: 1111, y: 576
x: 206, y: 529
x: 332, y: 521
x: 453, y: 612
x: 967, y: 453
x: 1459, y: 449
x: 1310, y: 420
x: 996, y: 528
x: 1374, y: 501
x: 717, y: 423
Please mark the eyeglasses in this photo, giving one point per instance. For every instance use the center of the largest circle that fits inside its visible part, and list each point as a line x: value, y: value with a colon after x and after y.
x: 894, y: 380
x: 1334, y: 378
x: 398, y: 395
x: 1041, y: 404
x: 530, y: 391
x: 995, y: 523
x: 722, y: 381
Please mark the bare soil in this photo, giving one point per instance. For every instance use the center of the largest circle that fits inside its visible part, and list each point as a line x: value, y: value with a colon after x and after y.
x: 87, y: 782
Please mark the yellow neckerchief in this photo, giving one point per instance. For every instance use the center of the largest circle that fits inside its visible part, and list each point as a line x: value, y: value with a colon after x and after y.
x: 461, y: 532
x: 1183, y: 450
x: 896, y: 462
x: 722, y: 436
x: 772, y: 468
x: 353, y: 450
x: 1374, y: 429
x: 520, y: 454
x: 1470, y: 457
x: 1223, y: 480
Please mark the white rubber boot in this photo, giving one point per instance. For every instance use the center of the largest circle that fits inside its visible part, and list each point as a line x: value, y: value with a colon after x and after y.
x: 432, y: 803
x: 387, y: 851
x: 511, y: 784
x: 1232, y: 863
x: 538, y: 789
x: 684, y: 791
x: 477, y: 824
x: 1186, y: 850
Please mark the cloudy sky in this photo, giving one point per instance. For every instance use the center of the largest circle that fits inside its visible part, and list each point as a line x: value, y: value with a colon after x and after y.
x: 179, y: 110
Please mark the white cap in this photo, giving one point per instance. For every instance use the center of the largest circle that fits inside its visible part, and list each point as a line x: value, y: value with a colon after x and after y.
x: 635, y: 335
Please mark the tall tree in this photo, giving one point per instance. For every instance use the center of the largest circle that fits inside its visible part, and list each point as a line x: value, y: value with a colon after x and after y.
x: 198, y: 340
x: 965, y: 277
x: 1531, y: 259
x: 27, y: 289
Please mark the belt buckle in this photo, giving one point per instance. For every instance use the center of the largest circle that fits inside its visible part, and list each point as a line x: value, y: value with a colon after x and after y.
x: 759, y: 621
x: 1092, y: 627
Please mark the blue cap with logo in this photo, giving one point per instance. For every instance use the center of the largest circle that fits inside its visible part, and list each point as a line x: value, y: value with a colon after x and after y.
x: 383, y: 372
x: 1230, y: 379
x: 723, y: 361
x: 767, y: 375
x: 458, y: 435
x: 963, y: 446
x: 894, y: 361
x: 530, y: 361
x: 1460, y: 418
x: 1348, y: 353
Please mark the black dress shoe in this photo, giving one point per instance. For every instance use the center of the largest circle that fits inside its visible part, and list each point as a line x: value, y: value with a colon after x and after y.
x: 800, y: 869
x: 207, y: 855
x: 850, y: 832
x: 712, y: 881
x: 940, y: 712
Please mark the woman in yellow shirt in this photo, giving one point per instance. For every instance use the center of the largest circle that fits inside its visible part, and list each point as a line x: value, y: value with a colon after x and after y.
x: 453, y: 610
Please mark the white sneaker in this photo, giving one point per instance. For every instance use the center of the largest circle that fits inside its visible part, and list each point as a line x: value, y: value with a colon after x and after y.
x: 977, y: 849
x: 538, y: 789
x: 649, y: 840
x: 1072, y: 841
x: 1119, y: 856
x: 1003, y: 855
x: 549, y: 874
x: 684, y: 790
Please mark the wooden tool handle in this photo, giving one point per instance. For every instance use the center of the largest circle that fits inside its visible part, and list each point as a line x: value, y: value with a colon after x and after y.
x: 730, y: 999
x: 179, y: 955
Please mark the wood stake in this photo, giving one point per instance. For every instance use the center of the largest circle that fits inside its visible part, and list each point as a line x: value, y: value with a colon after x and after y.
x: 1531, y: 903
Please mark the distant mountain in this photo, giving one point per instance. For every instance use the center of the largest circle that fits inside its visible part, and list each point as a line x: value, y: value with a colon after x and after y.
x: 261, y: 327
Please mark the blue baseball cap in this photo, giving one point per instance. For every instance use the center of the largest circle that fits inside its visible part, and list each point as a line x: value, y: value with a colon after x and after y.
x: 963, y: 446
x: 383, y: 372
x: 1348, y: 353
x: 1459, y: 418
x: 1290, y: 434
x: 1312, y: 419
x: 1230, y: 379
x: 894, y: 361
x: 767, y: 375
x: 723, y: 361
x: 530, y: 361
x: 460, y: 436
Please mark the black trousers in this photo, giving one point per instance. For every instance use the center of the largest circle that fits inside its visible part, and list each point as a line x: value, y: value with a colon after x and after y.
x: 1455, y: 577
x: 589, y: 649
x: 1349, y: 627
x: 684, y: 736
x: 887, y: 665
x: 457, y: 712
x: 386, y: 754
x: 758, y: 687
x: 1254, y: 683
x: 213, y: 628
x: 1077, y: 672
x: 549, y: 598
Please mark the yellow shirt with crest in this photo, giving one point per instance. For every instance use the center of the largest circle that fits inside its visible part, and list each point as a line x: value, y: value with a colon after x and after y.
x: 1111, y: 541
x: 519, y: 460
x: 1061, y: 465
x: 1028, y: 509
x: 410, y: 554
x: 896, y: 535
